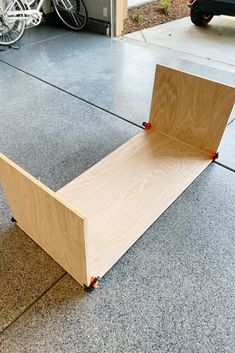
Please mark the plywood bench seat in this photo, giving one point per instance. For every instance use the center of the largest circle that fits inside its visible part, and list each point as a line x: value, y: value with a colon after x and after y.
x: 122, y: 195
x: 87, y: 225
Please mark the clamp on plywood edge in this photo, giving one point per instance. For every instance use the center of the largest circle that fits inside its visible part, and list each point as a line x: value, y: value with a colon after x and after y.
x: 94, y: 284
x: 147, y: 125
x: 214, y: 155
x: 13, y: 220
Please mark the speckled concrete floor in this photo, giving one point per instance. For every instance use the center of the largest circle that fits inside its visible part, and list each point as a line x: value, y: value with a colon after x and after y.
x: 173, y: 291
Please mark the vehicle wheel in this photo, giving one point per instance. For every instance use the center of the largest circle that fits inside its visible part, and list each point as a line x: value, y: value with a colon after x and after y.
x: 199, y: 18
x: 73, y: 13
x: 11, y: 27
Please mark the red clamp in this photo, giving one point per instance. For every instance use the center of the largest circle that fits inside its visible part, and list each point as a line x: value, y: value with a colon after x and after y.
x: 94, y: 284
x: 147, y: 126
x: 214, y: 155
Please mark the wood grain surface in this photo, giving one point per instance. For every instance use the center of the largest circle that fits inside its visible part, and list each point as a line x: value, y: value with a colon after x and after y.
x: 122, y: 195
x: 42, y: 215
x: 190, y: 108
x: 126, y: 192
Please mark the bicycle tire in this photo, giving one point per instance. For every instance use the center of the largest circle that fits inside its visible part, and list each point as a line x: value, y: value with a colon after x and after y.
x: 76, y: 18
x: 11, y: 32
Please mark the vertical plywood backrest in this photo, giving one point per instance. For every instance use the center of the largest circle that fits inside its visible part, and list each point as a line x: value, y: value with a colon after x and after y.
x: 42, y: 215
x: 190, y: 108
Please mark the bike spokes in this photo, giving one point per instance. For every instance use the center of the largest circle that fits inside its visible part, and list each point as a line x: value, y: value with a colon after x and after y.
x: 16, y: 14
x: 72, y: 12
x: 11, y: 28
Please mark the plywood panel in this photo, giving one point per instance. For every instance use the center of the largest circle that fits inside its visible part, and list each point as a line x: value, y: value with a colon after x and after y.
x: 42, y: 215
x: 190, y: 108
x: 127, y: 191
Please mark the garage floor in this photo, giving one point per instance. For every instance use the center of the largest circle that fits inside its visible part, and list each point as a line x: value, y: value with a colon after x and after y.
x: 68, y: 100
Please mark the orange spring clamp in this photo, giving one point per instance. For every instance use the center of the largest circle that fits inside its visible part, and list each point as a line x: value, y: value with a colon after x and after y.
x: 214, y: 155
x: 94, y: 284
x: 146, y: 125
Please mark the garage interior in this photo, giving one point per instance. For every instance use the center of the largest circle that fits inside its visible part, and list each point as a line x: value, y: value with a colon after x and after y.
x: 67, y: 101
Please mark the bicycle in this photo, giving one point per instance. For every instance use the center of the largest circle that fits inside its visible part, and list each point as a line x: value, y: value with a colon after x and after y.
x: 16, y: 15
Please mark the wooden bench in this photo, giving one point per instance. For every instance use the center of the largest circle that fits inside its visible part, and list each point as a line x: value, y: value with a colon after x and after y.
x: 91, y: 222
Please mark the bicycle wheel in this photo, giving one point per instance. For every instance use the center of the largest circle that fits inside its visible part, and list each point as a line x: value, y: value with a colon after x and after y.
x: 11, y: 27
x: 73, y: 13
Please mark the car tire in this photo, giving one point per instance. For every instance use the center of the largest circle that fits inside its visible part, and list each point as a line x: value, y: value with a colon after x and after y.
x: 198, y: 17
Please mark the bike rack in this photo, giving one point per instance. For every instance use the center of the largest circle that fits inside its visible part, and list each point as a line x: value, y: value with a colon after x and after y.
x: 91, y: 222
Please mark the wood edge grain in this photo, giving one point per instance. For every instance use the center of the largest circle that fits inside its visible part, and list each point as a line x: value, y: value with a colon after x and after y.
x: 192, y: 75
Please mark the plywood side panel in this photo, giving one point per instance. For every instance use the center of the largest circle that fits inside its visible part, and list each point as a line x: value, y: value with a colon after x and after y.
x: 42, y: 215
x: 126, y: 192
x: 190, y: 108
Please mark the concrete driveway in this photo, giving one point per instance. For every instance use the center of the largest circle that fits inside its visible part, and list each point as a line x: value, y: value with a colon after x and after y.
x: 213, y: 42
